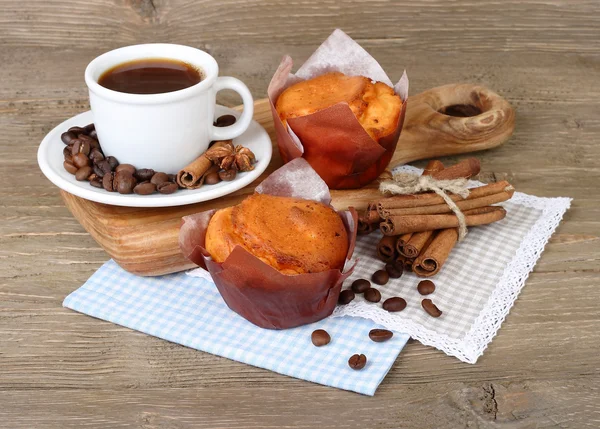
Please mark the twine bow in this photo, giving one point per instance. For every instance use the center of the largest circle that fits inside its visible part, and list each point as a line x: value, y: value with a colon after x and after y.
x: 408, y: 183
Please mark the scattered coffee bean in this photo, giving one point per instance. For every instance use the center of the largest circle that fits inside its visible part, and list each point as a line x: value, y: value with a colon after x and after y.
x: 212, y: 178
x: 112, y: 161
x: 159, y: 178
x: 101, y: 168
x: 426, y: 287
x: 227, y: 175
x: 125, y: 167
x: 346, y: 296
x: 108, y: 181
x: 76, y: 130
x: 80, y: 160
x: 67, y: 136
x: 70, y: 167
x: 96, y: 156
x: 167, y: 187
x: 360, y: 285
x: 320, y: 337
x: 144, y: 174
x: 431, y: 308
x: 124, y: 182
x: 225, y: 121
x: 380, y: 335
x: 144, y: 188
x: 372, y: 295
x: 394, y: 270
x: 96, y: 182
x: 394, y: 304
x: 357, y: 361
x: 83, y: 173
x: 380, y: 277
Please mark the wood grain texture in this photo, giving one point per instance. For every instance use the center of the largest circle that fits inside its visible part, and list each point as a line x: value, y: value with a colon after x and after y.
x: 59, y: 369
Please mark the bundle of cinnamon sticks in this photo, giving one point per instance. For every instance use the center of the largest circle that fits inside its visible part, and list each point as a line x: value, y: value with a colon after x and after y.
x: 420, y: 230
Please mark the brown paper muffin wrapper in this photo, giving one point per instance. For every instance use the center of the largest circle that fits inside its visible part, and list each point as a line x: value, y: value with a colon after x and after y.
x: 257, y: 291
x: 332, y: 140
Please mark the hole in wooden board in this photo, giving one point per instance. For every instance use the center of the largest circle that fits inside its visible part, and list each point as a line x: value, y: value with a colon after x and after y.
x: 460, y: 110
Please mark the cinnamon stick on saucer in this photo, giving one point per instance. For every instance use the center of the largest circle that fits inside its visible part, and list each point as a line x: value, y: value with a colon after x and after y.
x: 192, y: 176
x: 430, y: 262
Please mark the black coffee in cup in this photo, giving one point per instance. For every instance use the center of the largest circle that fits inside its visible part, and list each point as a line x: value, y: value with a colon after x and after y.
x: 150, y: 76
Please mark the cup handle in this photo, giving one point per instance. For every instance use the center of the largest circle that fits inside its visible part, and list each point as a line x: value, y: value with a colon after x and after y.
x: 242, y: 124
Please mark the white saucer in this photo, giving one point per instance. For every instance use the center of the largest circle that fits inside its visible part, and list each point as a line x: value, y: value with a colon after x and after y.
x: 50, y: 159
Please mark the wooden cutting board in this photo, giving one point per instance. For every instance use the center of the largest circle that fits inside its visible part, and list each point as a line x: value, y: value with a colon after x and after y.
x: 447, y: 120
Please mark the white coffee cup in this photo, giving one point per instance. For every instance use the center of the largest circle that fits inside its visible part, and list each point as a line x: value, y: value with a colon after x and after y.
x: 164, y: 131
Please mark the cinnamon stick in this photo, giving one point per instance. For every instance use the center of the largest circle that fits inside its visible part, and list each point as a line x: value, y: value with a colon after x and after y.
x: 401, y: 242
x: 432, y: 259
x: 386, y: 248
x: 192, y: 175
x: 417, y: 242
x: 432, y: 199
x: 395, y: 225
x: 467, y: 168
x: 406, y: 262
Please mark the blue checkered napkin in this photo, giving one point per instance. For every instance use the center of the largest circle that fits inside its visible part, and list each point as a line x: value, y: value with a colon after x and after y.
x: 189, y: 311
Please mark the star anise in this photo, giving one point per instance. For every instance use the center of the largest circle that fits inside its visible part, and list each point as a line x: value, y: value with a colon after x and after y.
x: 229, y: 158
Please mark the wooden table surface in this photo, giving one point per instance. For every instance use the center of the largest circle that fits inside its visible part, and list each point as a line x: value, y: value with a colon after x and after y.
x: 60, y: 369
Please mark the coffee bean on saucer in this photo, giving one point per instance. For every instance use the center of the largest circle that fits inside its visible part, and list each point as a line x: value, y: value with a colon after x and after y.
x: 80, y: 146
x: 144, y: 188
x: 96, y: 156
x: 96, y: 182
x: 67, y: 151
x: 94, y: 144
x: 357, y: 361
x: 225, y: 121
x: 212, y: 178
x: 83, y: 173
x: 167, y: 187
x: 89, y: 128
x: 172, y: 178
x: 394, y: 270
x: 159, y: 178
x: 125, y: 167
x: 394, y: 304
x: 108, y: 182
x: 380, y: 335
x: 320, y: 338
x: 346, y: 296
x: 144, y: 174
x: 360, y: 285
x: 76, y: 130
x: 124, y: 182
x: 426, y: 287
x: 67, y: 136
x: 94, y: 135
x: 372, y: 295
x: 70, y: 167
x: 112, y: 161
x: 431, y: 308
x: 380, y: 277
x: 80, y: 160
x: 227, y: 175
x: 101, y: 168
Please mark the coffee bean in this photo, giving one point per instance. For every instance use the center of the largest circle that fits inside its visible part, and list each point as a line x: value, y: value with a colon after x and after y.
x: 212, y: 178
x: 167, y: 187
x: 83, y: 173
x: 102, y: 168
x: 89, y: 128
x: 124, y: 182
x: 426, y: 287
x: 70, y: 167
x: 227, y: 175
x: 94, y: 135
x: 346, y: 296
x: 225, y: 121
x: 320, y: 338
x: 360, y: 285
x: 76, y: 130
x: 80, y: 160
x: 67, y: 136
x: 431, y: 308
x: 80, y: 146
x: 144, y: 174
x: 159, y: 178
x: 108, y: 182
x: 94, y: 144
x: 96, y: 156
x: 144, y: 188
x: 92, y: 176
x: 394, y: 270
x: 96, y: 182
x: 380, y: 335
x: 172, y: 178
x: 67, y: 151
x: 394, y: 304
x: 380, y: 277
x: 125, y: 167
x: 372, y: 295
x: 357, y: 361
x: 112, y: 161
